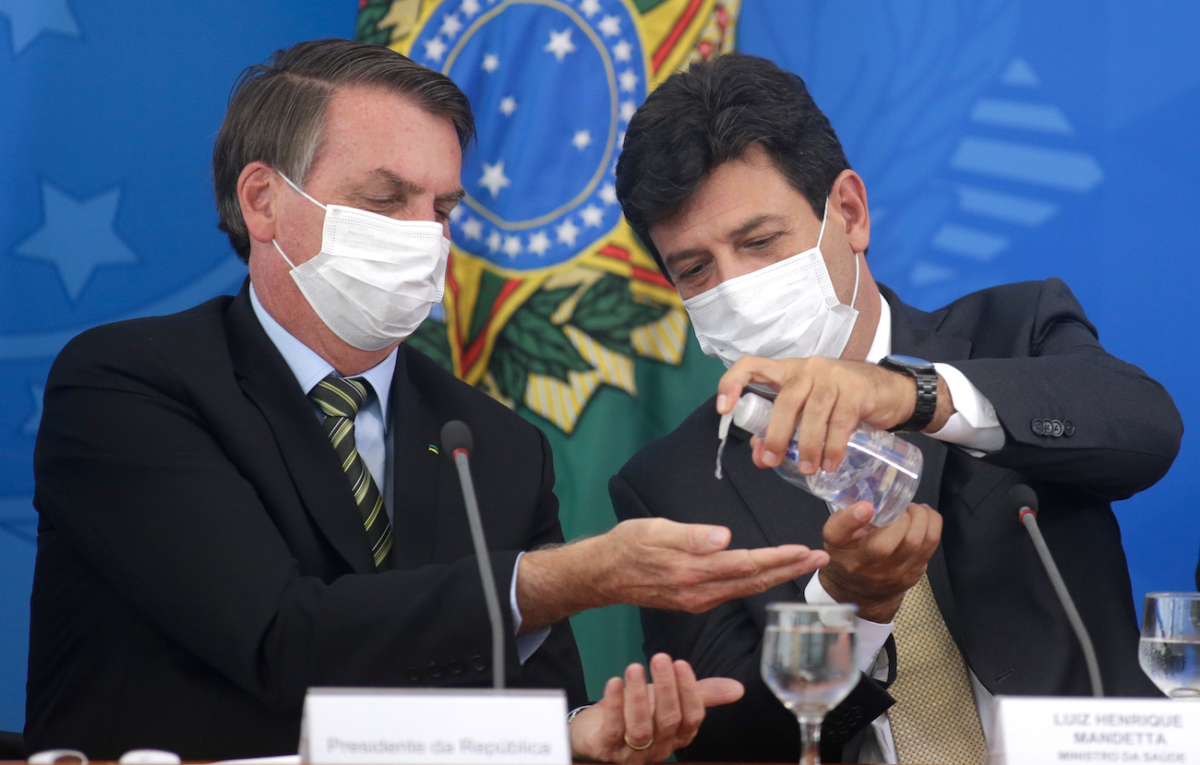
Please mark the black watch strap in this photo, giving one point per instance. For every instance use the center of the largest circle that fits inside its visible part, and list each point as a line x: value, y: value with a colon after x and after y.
x: 924, y: 374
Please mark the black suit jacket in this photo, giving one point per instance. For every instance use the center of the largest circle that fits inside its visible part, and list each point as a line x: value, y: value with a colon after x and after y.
x: 1031, y: 351
x: 201, y: 561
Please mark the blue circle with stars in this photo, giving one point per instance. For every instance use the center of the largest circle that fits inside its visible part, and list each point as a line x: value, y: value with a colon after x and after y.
x: 552, y: 85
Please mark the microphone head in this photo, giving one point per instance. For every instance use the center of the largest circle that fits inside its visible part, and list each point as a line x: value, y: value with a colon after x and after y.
x: 456, y: 435
x: 1020, y: 497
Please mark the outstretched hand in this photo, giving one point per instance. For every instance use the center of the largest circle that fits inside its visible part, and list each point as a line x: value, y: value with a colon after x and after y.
x: 654, y: 563
x: 657, y: 563
x: 637, y: 722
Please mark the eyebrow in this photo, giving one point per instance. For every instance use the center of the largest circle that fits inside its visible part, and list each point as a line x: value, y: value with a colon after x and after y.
x: 403, y: 186
x: 740, y: 231
x: 755, y: 222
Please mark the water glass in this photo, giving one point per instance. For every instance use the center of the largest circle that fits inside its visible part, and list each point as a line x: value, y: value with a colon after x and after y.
x: 1169, y: 650
x: 808, y: 663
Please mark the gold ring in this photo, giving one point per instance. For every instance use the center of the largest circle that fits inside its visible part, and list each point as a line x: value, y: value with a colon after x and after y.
x: 641, y: 748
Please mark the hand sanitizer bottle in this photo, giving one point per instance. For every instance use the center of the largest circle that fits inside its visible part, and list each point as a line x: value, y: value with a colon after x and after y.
x: 878, y: 466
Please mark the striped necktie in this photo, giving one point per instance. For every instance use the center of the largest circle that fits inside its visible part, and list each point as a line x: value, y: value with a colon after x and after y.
x: 934, y: 719
x: 340, y: 398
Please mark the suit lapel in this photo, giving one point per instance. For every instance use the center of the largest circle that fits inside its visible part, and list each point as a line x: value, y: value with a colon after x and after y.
x: 914, y: 333
x: 268, y: 382
x: 417, y: 468
x: 786, y: 514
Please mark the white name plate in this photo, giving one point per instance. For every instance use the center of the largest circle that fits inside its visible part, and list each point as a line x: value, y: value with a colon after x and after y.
x: 376, y: 726
x: 1041, y: 730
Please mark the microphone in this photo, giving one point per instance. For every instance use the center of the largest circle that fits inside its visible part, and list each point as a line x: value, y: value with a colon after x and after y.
x: 1023, y: 498
x: 456, y: 439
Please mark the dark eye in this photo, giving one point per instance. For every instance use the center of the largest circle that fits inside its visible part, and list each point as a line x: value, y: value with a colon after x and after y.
x: 758, y: 244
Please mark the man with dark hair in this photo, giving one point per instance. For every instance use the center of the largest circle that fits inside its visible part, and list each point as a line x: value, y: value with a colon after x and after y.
x: 246, y: 499
x: 728, y: 171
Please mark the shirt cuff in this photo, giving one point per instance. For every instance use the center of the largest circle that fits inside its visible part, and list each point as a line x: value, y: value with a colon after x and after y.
x: 527, y: 644
x: 974, y: 425
x: 871, y: 635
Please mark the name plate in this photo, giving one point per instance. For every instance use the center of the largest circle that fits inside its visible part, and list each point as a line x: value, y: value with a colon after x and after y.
x: 1040, y: 731
x: 377, y: 726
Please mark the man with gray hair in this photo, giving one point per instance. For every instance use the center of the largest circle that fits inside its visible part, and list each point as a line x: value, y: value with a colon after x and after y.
x: 246, y: 499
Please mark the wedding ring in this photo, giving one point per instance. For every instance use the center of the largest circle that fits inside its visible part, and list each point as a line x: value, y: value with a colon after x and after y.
x: 636, y: 748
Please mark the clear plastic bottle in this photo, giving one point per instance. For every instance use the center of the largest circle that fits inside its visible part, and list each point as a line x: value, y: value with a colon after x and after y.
x: 878, y: 467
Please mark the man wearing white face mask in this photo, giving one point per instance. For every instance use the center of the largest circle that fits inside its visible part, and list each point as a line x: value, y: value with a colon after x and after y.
x: 738, y: 185
x: 246, y: 499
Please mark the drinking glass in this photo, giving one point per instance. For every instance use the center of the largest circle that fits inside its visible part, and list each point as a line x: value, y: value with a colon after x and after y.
x: 808, y: 663
x: 1169, y: 651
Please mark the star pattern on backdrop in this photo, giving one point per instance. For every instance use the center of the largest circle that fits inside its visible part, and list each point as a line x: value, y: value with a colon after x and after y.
x: 512, y: 245
x: 435, y: 49
x: 560, y: 44
x: 610, y: 26
x: 473, y: 229
x: 77, y: 236
x: 592, y: 215
x: 494, y: 178
x: 567, y: 232
x: 451, y: 26
x: 27, y: 19
x: 539, y: 243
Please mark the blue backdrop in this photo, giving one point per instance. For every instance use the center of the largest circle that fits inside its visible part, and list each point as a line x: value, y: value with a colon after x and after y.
x: 1000, y: 140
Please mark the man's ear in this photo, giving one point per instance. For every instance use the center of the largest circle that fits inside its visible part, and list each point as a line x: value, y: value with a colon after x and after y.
x: 258, y: 187
x: 849, y: 197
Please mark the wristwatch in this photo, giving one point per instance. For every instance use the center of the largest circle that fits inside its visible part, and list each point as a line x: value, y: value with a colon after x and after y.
x: 926, y: 377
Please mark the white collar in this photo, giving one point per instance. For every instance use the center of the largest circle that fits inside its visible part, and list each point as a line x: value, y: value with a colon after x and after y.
x: 310, y: 369
x: 881, y: 345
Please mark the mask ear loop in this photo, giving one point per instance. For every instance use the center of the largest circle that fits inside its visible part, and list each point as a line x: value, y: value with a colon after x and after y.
x: 821, y: 235
x: 284, y: 254
x: 854, y: 297
x: 304, y: 194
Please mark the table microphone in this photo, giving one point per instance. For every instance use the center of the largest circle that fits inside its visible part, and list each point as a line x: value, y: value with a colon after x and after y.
x: 1023, y: 498
x: 456, y: 439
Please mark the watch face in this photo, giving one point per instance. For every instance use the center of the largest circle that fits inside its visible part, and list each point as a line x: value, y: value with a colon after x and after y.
x: 908, y: 361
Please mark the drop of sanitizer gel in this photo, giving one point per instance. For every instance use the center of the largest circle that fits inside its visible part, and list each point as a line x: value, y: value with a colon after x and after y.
x: 878, y: 467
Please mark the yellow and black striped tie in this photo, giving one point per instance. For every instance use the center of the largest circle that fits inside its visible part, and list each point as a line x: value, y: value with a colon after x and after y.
x: 340, y: 399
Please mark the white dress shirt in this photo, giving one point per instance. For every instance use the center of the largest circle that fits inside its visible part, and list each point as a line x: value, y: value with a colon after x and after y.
x: 372, y: 434
x: 974, y: 427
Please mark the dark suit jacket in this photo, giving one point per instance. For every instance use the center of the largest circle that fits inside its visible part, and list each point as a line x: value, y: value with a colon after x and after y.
x: 1031, y: 351
x: 201, y: 561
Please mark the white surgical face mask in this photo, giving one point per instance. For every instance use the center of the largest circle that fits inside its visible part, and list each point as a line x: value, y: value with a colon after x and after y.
x: 785, y: 310
x: 375, y: 279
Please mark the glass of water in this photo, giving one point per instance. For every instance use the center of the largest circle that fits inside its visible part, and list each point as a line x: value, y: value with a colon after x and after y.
x: 808, y: 663
x: 1169, y: 651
